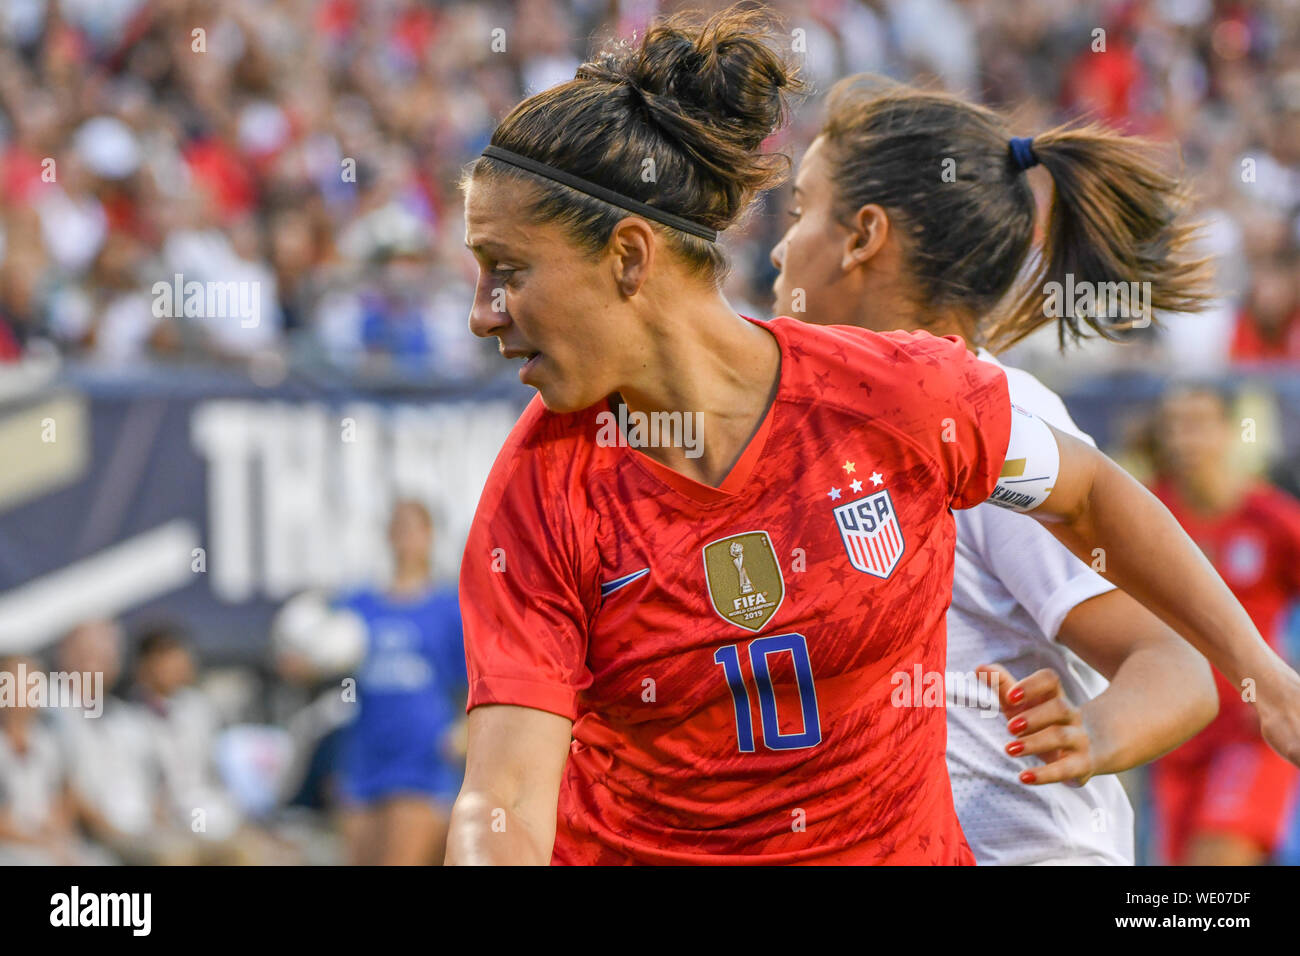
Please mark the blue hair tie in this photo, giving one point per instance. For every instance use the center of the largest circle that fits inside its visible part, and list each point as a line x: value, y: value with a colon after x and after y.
x: 1022, y: 151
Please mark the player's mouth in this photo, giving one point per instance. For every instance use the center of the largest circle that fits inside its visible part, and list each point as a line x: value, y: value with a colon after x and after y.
x: 530, y: 359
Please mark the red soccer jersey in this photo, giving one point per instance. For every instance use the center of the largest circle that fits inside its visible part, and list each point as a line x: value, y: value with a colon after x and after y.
x: 1250, y: 345
x: 1256, y: 550
x: 726, y: 654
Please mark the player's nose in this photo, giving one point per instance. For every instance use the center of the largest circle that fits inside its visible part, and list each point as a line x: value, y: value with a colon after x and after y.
x: 487, y: 316
x: 778, y: 255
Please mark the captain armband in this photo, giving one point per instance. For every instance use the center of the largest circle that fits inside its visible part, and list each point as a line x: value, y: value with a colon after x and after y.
x: 1033, y: 462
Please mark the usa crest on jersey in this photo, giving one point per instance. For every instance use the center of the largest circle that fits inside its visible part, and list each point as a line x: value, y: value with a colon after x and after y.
x: 871, y: 533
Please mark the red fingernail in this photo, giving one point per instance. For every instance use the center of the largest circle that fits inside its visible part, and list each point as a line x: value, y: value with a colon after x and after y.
x: 1017, y: 695
x: 1027, y: 777
x: 1017, y: 725
x: 1015, y: 748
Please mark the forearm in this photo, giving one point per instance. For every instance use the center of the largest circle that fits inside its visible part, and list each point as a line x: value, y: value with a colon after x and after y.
x: 486, y: 830
x: 1148, y: 554
x: 1160, y: 696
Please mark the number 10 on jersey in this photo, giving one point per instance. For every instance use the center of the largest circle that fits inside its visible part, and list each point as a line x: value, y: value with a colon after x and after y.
x: 760, y: 649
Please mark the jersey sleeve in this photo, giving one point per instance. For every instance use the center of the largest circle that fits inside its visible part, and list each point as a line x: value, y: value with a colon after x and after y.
x: 1044, y: 577
x: 524, y: 605
x: 960, y: 411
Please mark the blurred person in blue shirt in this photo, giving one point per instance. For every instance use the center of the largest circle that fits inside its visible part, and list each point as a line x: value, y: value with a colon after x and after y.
x: 403, y: 755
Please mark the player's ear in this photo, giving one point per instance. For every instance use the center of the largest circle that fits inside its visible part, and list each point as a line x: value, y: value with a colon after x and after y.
x: 867, y: 233
x: 633, y: 246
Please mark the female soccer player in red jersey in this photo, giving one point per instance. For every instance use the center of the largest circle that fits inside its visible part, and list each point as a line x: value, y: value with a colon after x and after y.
x: 682, y: 651
x: 1224, y: 798
x: 940, y: 259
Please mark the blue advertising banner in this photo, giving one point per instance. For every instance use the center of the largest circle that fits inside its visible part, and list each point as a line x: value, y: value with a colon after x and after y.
x: 209, y: 500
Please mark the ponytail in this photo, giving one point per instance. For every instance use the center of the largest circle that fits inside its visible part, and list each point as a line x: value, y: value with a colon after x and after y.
x: 1115, y: 217
x: 952, y: 180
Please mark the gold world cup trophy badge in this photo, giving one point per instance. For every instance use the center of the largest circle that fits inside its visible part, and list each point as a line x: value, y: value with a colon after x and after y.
x: 744, y: 578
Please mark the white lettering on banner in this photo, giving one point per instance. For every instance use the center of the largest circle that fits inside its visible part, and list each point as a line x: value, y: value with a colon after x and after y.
x: 291, y: 505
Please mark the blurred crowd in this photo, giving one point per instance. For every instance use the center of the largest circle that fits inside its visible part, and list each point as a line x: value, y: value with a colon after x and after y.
x: 310, y: 149
x: 127, y: 777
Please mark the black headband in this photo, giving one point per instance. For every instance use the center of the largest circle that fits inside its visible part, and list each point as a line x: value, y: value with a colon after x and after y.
x: 600, y: 192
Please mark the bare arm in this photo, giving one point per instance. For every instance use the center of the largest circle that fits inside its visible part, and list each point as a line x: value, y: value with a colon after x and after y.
x: 1094, y: 505
x: 1161, y: 690
x: 505, y: 813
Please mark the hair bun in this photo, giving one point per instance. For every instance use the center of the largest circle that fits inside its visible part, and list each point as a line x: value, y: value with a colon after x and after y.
x: 691, y: 104
x: 725, y: 72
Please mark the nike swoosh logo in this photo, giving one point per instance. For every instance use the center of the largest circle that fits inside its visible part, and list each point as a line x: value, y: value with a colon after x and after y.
x: 609, y: 587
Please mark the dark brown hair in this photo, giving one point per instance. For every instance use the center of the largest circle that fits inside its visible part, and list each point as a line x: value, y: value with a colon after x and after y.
x: 1115, y: 215
x: 159, y: 638
x: 696, y: 98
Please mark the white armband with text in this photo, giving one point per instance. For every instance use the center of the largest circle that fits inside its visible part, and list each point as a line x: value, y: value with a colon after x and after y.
x: 1032, y: 464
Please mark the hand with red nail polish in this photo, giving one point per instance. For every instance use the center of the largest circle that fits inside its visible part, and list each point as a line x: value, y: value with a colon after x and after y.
x: 1047, y: 724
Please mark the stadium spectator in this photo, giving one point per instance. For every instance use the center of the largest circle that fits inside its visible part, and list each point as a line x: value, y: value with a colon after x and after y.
x: 184, y: 725
x: 1268, y: 327
x: 116, y: 782
x: 36, y: 820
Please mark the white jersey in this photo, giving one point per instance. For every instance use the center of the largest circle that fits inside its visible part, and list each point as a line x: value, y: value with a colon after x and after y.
x: 1013, y: 585
x: 31, y: 782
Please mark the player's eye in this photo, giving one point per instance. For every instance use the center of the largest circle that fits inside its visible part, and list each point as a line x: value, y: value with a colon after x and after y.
x: 794, y: 213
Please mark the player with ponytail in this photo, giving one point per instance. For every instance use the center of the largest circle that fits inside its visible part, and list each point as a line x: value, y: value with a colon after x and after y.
x: 914, y: 213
